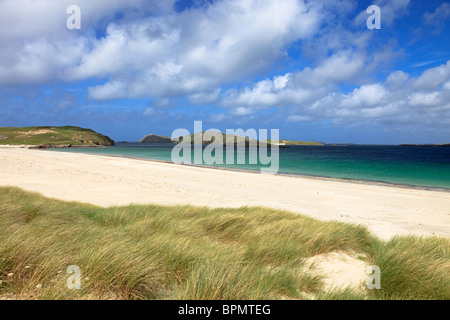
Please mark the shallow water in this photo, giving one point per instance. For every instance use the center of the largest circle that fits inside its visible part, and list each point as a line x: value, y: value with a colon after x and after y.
x: 418, y: 166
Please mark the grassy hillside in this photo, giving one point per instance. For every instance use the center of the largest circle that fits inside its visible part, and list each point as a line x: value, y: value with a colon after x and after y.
x: 234, y: 138
x: 190, y: 139
x: 153, y: 138
x: 53, y: 136
x: 186, y: 252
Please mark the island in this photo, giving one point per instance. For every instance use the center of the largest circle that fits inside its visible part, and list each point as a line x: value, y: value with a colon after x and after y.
x: 53, y: 137
x: 153, y: 138
x: 230, y: 137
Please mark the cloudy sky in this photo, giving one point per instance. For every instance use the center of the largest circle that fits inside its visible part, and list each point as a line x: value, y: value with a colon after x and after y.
x: 309, y: 68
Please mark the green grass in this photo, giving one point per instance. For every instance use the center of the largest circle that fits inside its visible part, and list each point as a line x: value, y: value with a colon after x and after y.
x: 75, y: 136
x: 187, y: 252
x: 153, y: 138
x: 414, y: 268
x: 237, y: 140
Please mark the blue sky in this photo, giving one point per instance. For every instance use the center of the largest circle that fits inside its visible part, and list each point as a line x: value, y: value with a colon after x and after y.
x: 311, y: 69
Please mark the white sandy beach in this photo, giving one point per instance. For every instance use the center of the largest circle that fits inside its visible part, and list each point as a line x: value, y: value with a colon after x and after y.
x: 106, y: 181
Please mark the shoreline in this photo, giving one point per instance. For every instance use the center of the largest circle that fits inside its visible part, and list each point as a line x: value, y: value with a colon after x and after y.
x: 293, y: 175
x: 46, y: 146
x: 110, y: 180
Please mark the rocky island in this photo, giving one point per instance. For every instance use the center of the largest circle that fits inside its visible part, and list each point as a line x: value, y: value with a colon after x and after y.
x: 153, y: 138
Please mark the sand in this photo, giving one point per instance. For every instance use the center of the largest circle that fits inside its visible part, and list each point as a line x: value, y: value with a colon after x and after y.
x: 340, y: 270
x: 106, y: 181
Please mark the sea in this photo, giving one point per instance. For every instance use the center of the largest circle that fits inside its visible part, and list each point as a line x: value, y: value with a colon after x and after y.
x: 415, y: 166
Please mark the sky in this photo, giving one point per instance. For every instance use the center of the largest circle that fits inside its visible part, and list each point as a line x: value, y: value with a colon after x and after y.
x: 312, y: 69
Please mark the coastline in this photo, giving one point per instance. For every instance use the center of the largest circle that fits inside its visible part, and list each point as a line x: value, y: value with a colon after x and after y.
x: 45, y: 146
x: 109, y: 180
x: 293, y: 175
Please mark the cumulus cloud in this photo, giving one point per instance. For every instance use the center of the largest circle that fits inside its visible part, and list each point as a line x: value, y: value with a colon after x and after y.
x: 36, y: 45
x: 152, y: 50
x: 340, y: 67
x: 211, y: 54
x: 399, y: 97
x: 364, y: 96
x: 305, y: 86
x: 196, y: 51
x: 432, y: 78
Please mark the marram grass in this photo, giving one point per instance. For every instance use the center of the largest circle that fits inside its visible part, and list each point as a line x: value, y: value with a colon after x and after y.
x: 187, y: 252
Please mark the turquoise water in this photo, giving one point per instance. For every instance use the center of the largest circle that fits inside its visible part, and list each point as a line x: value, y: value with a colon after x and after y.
x: 417, y: 166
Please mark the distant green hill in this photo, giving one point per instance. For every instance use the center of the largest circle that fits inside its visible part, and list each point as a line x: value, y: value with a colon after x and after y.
x: 235, y: 138
x: 296, y: 143
x: 153, y: 138
x: 67, y: 136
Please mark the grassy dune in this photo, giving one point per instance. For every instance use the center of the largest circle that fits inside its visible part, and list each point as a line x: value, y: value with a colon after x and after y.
x: 53, y: 136
x: 186, y: 252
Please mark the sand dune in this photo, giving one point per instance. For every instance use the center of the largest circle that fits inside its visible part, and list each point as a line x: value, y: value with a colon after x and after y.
x: 106, y: 181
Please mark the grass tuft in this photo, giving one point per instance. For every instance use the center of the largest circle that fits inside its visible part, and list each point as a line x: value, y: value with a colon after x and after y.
x: 187, y: 252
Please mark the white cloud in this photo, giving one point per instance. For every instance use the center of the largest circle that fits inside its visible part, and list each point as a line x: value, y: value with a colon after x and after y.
x: 200, y: 49
x: 297, y: 118
x: 279, y: 82
x: 203, y: 53
x: 111, y: 90
x: 425, y: 99
x: 303, y: 87
x: 390, y: 10
x: 204, y: 97
x: 396, y: 79
x: 148, y: 112
x: 432, y: 78
x: 341, y: 66
x: 366, y: 95
x: 396, y: 101
x: 241, y: 111
x: 441, y: 14
x: 36, y: 45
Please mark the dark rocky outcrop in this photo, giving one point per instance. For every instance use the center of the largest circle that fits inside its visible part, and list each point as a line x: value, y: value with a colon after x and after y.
x: 153, y: 138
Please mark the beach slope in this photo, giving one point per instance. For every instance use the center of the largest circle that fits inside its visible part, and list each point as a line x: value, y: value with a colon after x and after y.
x: 106, y: 181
